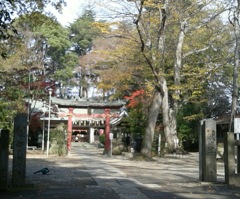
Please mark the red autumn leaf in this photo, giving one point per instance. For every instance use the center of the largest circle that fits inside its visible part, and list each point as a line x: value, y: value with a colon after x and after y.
x: 135, y: 98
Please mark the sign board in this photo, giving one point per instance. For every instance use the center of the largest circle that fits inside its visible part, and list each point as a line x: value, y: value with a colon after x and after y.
x: 111, y: 136
x: 236, y: 125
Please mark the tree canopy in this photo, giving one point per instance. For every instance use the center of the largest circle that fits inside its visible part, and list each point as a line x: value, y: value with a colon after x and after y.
x: 9, y: 9
x: 179, y: 54
x: 182, y: 49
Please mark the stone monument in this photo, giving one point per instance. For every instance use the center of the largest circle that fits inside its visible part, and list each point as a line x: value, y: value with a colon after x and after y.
x: 207, y: 151
x: 19, y: 150
x: 232, y: 174
x: 4, y: 157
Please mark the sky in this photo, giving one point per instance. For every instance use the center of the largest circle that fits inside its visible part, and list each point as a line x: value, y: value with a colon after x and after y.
x: 104, y: 9
x: 70, y: 12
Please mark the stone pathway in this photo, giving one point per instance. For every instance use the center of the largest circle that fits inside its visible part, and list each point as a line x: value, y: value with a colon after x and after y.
x: 170, y: 177
x: 87, y: 174
x: 107, y: 175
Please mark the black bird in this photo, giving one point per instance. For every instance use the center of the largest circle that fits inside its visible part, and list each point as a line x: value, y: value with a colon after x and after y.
x: 43, y: 171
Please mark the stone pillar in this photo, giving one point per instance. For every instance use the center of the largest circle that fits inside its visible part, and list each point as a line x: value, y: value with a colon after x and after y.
x: 238, y: 157
x: 231, y: 178
x: 207, y: 151
x: 4, y: 157
x: 107, y: 133
x: 69, y: 129
x: 237, y: 136
x: 19, y: 150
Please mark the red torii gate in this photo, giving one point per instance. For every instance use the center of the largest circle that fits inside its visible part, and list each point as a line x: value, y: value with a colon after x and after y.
x: 105, y: 116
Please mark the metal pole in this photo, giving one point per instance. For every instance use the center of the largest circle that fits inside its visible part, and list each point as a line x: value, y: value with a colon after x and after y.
x: 49, y: 112
x: 43, y: 135
x: 43, y: 131
x: 28, y: 107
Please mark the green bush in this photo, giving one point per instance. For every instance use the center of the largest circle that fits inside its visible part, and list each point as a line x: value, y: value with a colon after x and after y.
x: 102, y: 139
x: 57, y: 139
x: 188, y: 120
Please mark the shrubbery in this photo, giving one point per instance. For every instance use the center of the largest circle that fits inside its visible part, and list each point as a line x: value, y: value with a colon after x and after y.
x: 57, y: 139
x: 102, y: 139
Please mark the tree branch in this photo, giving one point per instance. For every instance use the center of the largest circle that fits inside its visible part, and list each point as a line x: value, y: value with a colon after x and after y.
x: 195, y: 51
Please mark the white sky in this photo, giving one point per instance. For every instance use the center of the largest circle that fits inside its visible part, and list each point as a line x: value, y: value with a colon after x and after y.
x: 70, y: 12
x: 74, y: 9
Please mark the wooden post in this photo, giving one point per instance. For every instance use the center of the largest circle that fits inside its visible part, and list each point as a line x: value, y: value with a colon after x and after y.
x: 107, y: 133
x: 19, y: 149
x: 4, y: 147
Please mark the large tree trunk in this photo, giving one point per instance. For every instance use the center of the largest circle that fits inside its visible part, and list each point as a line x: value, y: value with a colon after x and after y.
x: 171, y: 131
x: 151, y: 123
x: 169, y: 118
x: 236, y: 26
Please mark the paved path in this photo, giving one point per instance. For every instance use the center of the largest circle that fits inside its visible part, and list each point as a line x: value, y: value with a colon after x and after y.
x: 87, y: 174
x: 171, y: 177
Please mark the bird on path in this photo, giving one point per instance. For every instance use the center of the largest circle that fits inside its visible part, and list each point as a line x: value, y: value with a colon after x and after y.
x: 43, y: 171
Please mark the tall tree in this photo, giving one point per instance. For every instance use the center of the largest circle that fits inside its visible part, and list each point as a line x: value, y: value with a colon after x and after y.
x: 48, y: 43
x: 34, y: 56
x: 235, y: 21
x: 82, y: 33
x: 161, y: 43
x: 11, y: 8
x: 194, y: 18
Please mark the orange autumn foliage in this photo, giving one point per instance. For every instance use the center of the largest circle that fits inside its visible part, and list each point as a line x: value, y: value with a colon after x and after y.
x: 135, y: 98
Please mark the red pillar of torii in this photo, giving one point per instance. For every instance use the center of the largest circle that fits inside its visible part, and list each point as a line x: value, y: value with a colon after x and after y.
x: 69, y: 129
x: 107, y: 133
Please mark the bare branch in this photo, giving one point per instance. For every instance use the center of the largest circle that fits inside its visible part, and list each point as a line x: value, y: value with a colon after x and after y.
x: 195, y: 51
